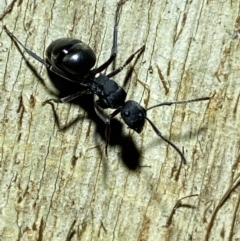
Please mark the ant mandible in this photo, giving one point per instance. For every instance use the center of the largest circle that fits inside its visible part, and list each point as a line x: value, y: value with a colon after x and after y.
x: 73, y: 60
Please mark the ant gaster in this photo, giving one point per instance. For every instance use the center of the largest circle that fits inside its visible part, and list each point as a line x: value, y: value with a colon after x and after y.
x: 73, y: 60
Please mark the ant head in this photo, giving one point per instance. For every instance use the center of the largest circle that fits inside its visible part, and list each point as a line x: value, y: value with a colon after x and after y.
x: 134, y: 115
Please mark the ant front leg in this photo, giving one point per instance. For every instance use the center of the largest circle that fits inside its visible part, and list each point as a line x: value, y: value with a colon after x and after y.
x: 107, y: 120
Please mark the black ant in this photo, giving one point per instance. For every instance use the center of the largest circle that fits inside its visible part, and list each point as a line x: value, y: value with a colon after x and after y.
x: 73, y: 60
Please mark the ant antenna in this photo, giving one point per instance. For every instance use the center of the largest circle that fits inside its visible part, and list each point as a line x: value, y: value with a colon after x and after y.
x: 160, y: 134
x: 166, y: 140
x: 178, y: 102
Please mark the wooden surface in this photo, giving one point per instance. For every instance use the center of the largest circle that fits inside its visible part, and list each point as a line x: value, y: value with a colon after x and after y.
x: 59, y: 185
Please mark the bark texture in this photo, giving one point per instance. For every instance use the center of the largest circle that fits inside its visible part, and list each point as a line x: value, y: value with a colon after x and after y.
x: 59, y: 185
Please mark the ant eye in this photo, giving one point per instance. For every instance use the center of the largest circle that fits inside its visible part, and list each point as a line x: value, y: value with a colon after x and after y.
x: 126, y: 113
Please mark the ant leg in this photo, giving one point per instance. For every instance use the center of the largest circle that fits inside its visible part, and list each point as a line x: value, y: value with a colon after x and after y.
x: 146, y: 87
x: 62, y: 100
x: 69, y: 97
x: 114, y: 47
x: 56, y: 117
x: 107, y: 120
x: 116, y: 71
x: 35, y: 56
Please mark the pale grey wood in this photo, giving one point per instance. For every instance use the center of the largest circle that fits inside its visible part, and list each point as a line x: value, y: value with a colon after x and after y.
x: 192, y: 50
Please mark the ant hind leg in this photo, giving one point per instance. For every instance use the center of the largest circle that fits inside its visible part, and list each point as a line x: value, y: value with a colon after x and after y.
x: 56, y: 117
